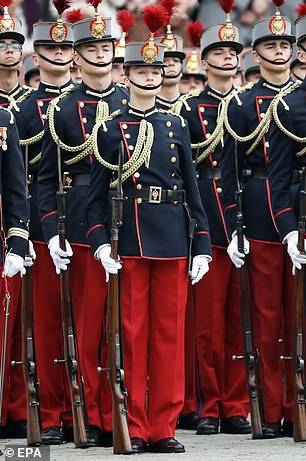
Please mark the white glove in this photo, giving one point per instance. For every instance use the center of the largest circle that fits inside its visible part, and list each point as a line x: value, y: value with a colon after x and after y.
x: 296, y: 257
x: 235, y: 255
x: 13, y: 264
x: 60, y: 257
x: 199, y: 268
x: 111, y: 266
x: 29, y: 260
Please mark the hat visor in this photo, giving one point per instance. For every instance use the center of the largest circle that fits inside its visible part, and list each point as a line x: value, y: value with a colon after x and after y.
x: 13, y: 35
x: 290, y: 38
x: 53, y: 43
x: 250, y: 70
x: 142, y: 63
x: 235, y: 45
x: 175, y: 54
x: 84, y: 40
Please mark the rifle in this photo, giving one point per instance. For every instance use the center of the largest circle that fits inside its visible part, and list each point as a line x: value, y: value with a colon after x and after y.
x: 121, y: 438
x: 28, y: 358
x: 250, y: 354
x: 68, y: 328
x: 299, y: 414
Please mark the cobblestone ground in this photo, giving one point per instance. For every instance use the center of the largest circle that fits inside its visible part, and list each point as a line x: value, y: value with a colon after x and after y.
x: 208, y: 448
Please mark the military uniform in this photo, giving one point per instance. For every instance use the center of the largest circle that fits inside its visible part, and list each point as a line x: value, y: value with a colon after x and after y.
x: 71, y: 119
x: 267, y: 259
x: 153, y: 244
x: 13, y: 220
x: 31, y: 117
x: 221, y: 385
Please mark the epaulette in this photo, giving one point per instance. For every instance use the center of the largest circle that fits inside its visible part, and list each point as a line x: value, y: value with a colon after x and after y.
x: 55, y: 101
x: 26, y: 95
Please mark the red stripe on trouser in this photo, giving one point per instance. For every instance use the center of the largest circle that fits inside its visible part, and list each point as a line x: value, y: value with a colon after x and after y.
x: 14, y: 400
x: 287, y: 408
x: 54, y: 391
x: 221, y: 383
x: 89, y: 291
x: 266, y: 263
x: 190, y: 403
x: 153, y: 313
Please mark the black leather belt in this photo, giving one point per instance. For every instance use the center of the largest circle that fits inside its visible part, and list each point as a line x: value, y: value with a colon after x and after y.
x: 155, y: 194
x: 209, y: 173
x: 256, y: 173
x: 80, y: 180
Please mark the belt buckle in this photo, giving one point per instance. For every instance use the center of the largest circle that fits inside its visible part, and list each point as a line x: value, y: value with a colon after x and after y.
x: 155, y: 194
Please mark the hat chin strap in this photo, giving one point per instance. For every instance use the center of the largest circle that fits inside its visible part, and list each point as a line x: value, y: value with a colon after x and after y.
x: 11, y: 65
x: 60, y: 64
x: 95, y: 63
x: 150, y: 87
x: 169, y: 77
x: 222, y: 68
x: 273, y: 62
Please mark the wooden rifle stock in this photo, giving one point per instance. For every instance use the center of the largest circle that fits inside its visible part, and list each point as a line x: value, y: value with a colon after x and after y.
x: 121, y: 438
x: 69, y: 338
x: 28, y: 358
x: 29, y: 362
x: 68, y: 326
x: 299, y: 412
x: 250, y: 355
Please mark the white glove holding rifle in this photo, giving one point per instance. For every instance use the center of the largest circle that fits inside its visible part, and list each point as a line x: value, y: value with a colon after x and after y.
x: 296, y: 256
x: 60, y: 257
x: 238, y: 258
x: 111, y: 266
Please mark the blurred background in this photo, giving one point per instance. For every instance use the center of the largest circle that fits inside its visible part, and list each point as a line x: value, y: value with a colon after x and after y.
x: 245, y: 13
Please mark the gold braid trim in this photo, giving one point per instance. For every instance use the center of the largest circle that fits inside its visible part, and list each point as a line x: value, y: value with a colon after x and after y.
x: 279, y: 123
x: 102, y: 113
x: 182, y: 101
x: 36, y: 159
x: 141, y: 154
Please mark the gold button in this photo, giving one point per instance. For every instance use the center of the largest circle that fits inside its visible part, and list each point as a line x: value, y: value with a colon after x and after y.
x: 137, y: 175
x: 127, y: 135
x: 208, y: 135
x: 267, y: 144
x: 219, y: 190
x: 124, y: 126
x: 216, y: 179
x: 260, y: 101
x: 175, y: 187
x: 124, y: 102
x: 172, y: 146
x: 214, y: 163
x: 194, y: 162
x: 139, y: 200
x: 168, y: 123
x: 40, y: 103
x: 44, y: 116
x: 172, y: 175
x: 139, y: 186
x: 262, y: 114
x: 131, y: 147
x: 202, y: 109
x: 170, y: 134
x: 82, y: 104
x: 84, y: 120
x: 87, y: 135
x: 173, y: 159
x: 205, y: 122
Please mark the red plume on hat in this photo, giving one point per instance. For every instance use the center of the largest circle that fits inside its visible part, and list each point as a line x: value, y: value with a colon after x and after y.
x: 278, y: 3
x: 155, y: 17
x: 194, y: 31
x: 61, y: 6
x: 126, y: 20
x: 301, y: 10
x: 169, y: 6
x: 73, y: 16
x: 7, y: 23
x: 95, y: 4
x: 227, y: 5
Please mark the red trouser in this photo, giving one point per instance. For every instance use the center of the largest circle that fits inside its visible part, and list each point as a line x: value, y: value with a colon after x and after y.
x: 53, y: 391
x: 222, y: 390
x: 190, y: 403
x: 14, y: 399
x: 153, y: 315
x: 89, y: 292
x: 267, y: 277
